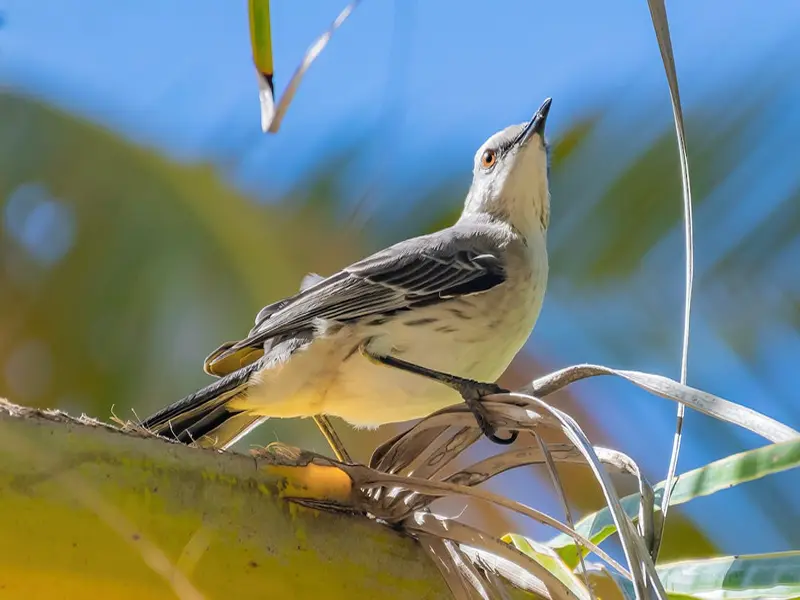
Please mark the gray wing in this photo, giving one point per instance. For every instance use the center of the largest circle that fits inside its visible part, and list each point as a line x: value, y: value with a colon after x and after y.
x: 417, y: 272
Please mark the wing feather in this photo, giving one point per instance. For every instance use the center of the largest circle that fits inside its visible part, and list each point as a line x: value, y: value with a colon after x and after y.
x: 421, y: 271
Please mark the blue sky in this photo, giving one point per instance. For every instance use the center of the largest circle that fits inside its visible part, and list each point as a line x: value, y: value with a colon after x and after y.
x: 432, y: 82
x: 422, y: 83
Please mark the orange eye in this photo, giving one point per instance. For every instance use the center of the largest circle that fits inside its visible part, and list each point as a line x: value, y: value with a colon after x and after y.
x: 488, y: 159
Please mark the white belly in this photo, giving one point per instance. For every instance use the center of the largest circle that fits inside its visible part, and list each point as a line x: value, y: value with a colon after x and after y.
x: 481, y: 349
x: 477, y: 341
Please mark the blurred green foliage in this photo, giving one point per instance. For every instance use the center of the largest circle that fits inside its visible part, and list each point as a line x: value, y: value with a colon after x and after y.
x: 161, y: 262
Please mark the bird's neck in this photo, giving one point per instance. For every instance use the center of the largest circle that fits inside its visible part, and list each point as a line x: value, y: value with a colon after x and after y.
x: 528, y: 215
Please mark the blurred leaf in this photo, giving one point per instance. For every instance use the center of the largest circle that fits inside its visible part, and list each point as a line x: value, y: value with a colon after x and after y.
x: 720, y: 475
x: 686, y: 539
x: 761, y: 244
x: 549, y: 559
x: 572, y: 140
x: 774, y: 575
x: 610, y: 585
x: 638, y: 207
x: 165, y: 260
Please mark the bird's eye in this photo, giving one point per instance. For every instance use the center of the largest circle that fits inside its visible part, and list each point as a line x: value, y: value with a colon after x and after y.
x: 488, y: 159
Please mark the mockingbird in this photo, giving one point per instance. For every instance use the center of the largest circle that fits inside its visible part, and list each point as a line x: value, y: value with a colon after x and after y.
x: 375, y: 342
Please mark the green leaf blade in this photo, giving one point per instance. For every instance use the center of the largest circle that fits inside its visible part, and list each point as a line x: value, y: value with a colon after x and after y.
x: 549, y: 559
x: 261, y: 36
x: 714, y: 477
x: 775, y: 575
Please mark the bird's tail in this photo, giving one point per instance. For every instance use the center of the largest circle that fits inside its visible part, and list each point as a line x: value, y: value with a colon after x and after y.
x: 205, y: 418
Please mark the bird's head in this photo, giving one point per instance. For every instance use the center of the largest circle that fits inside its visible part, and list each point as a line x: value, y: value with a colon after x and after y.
x: 510, y: 176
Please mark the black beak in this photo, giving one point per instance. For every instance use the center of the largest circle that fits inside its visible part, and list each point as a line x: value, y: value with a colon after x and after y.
x: 535, y: 125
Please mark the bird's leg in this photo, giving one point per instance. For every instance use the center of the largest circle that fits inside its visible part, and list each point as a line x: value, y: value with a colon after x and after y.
x: 333, y: 439
x: 471, y: 391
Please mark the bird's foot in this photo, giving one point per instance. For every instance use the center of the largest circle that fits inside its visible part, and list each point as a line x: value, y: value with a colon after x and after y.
x: 473, y: 393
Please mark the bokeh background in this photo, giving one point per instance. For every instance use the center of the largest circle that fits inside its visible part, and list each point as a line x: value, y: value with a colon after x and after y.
x: 144, y: 217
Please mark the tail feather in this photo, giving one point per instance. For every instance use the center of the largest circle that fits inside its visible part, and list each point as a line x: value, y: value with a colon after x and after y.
x: 204, y: 418
x: 220, y: 428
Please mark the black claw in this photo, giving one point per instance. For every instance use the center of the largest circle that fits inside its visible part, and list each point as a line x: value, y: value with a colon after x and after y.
x: 472, y: 392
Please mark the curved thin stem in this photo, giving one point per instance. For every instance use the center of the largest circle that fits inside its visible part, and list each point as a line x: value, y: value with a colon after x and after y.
x: 658, y: 14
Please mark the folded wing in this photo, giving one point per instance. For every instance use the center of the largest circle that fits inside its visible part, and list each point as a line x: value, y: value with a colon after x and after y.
x: 417, y: 272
